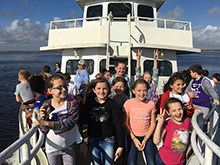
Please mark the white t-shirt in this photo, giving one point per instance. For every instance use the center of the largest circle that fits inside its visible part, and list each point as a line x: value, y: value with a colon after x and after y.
x: 184, y: 98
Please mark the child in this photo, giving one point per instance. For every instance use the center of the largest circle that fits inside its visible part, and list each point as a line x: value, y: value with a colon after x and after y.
x: 46, y: 70
x: 215, y: 80
x: 38, y: 86
x: 23, y: 91
x: 120, y: 69
x: 175, y: 88
x: 60, y: 116
x: 200, y: 89
x: 140, y: 121
x: 107, y: 74
x: 104, y: 124
x: 119, y: 85
x: 151, y: 79
x: 174, y: 132
x: 71, y: 85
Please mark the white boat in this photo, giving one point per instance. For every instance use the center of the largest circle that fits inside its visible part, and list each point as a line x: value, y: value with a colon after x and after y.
x: 112, y: 30
x: 115, y: 29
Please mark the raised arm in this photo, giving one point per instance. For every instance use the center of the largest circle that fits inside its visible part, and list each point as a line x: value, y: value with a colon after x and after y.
x: 154, y: 81
x: 138, y: 67
x: 159, y: 131
x: 156, y: 56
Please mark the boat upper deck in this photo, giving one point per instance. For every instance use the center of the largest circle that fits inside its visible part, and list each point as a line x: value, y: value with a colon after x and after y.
x: 114, y: 23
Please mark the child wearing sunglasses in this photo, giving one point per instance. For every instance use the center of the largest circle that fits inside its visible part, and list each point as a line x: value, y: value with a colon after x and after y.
x: 58, y: 117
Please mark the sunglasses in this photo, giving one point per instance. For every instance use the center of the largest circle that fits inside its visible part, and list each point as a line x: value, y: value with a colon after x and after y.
x: 60, y: 87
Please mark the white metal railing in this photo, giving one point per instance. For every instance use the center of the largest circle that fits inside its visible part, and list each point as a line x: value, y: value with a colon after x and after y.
x: 28, y: 145
x: 202, y: 142
x: 160, y: 23
x: 26, y: 139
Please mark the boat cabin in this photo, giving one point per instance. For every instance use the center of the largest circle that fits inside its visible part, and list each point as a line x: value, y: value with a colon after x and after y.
x: 113, y: 30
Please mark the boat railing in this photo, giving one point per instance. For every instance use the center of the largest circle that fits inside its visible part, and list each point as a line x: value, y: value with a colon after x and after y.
x: 204, y: 138
x: 28, y: 145
x: 25, y: 140
x: 160, y: 23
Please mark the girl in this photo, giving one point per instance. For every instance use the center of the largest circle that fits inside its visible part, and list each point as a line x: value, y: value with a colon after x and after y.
x: 120, y: 69
x: 60, y: 115
x: 106, y: 74
x: 140, y: 121
x: 104, y: 124
x: 119, y: 85
x: 151, y: 79
x: 174, y: 132
x: 174, y: 88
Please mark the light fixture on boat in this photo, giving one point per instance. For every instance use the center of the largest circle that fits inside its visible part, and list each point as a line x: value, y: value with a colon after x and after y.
x: 75, y: 52
x: 161, y: 53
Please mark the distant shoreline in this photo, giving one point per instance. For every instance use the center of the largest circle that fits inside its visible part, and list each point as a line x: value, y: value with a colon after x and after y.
x: 28, y: 52
x: 210, y: 51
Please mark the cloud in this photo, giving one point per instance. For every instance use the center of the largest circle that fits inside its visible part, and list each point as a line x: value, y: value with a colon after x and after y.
x: 174, y: 14
x: 203, y: 37
x: 29, y: 35
x: 207, y: 38
x: 214, y: 10
x: 24, y: 35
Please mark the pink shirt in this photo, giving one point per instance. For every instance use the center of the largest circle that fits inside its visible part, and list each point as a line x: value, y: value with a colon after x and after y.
x: 139, y: 114
x: 175, y: 141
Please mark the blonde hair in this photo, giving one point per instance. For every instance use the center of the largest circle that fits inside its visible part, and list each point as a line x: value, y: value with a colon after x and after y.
x: 24, y: 74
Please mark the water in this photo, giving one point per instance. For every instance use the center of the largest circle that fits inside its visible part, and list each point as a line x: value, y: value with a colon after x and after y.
x: 11, y: 63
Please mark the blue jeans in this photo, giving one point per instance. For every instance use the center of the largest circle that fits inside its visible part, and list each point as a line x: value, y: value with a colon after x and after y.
x: 102, y: 150
x: 159, y: 160
x: 149, y: 152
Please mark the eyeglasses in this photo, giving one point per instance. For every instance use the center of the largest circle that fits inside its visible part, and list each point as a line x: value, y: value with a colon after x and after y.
x: 60, y: 87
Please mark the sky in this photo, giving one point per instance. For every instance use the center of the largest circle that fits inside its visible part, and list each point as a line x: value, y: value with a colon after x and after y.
x: 24, y: 24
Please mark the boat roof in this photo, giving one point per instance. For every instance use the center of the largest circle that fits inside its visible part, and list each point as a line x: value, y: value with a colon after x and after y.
x: 82, y: 3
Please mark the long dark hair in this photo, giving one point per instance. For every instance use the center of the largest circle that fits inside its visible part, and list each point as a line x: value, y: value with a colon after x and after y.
x: 89, y: 92
x: 171, y: 81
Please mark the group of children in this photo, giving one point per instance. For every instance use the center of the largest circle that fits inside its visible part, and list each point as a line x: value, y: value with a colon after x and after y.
x: 120, y: 126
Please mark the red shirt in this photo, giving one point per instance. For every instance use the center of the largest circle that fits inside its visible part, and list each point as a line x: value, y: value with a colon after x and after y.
x: 175, y: 141
x: 165, y: 96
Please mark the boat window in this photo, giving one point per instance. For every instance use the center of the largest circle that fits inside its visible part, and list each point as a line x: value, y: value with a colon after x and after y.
x: 71, y: 66
x: 145, y: 11
x: 119, y: 9
x: 164, y: 67
x: 94, y: 11
x: 113, y: 62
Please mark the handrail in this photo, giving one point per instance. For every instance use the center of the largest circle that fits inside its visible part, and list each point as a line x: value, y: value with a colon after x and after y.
x: 210, y: 146
x: 28, y: 145
x: 161, y: 23
x: 23, y: 140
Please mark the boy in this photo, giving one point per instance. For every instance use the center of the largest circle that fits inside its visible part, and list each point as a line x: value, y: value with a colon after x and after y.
x: 23, y: 91
x: 200, y: 90
x: 215, y: 80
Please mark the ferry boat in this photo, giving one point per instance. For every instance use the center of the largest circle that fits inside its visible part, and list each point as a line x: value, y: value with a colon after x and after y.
x: 112, y: 30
